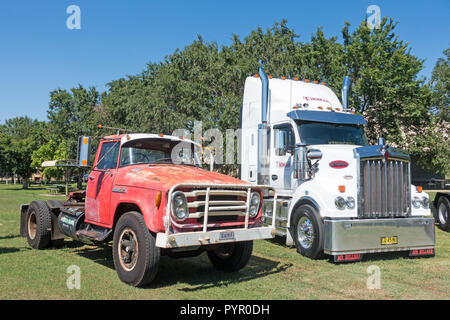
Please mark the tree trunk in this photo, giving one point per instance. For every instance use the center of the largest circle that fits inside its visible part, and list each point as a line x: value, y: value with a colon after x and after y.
x: 24, y: 183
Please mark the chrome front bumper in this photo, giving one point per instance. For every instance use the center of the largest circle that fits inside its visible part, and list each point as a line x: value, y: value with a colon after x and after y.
x: 365, y: 235
x: 208, y: 237
x: 188, y: 239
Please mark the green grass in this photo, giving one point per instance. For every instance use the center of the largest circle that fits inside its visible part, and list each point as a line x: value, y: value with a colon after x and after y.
x: 274, y: 271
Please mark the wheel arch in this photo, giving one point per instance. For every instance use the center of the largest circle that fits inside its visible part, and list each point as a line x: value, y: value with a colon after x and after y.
x: 301, y: 201
x: 124, y: 207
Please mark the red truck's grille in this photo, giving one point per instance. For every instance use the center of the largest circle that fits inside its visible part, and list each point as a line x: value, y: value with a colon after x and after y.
x: 226, y: 210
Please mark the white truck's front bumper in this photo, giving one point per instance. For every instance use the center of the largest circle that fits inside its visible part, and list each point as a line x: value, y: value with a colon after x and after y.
x: 188, y: 239
x: 367, y: 235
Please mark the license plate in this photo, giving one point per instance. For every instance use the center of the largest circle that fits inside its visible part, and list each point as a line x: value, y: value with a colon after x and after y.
x: 226, y: 235
x: 389, y: 240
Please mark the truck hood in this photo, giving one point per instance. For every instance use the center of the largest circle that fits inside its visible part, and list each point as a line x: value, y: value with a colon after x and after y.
x: 338, y: 161
x: 164, y: 176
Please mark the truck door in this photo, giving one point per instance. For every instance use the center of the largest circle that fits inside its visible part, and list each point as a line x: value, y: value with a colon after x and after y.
x: 100, y: 182
x: 281, y: 167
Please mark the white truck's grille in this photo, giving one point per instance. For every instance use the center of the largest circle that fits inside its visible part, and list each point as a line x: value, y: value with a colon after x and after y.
x: 384, y: 188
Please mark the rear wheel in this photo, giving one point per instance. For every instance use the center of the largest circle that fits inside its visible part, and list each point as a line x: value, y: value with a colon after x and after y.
x: 39, y: 225
x: 307, y: 231
x: 136, y: 257
x: 231, y: 257
x: 443, y: 209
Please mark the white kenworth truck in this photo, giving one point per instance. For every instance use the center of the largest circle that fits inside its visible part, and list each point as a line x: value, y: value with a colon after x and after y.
x: 336, y: 194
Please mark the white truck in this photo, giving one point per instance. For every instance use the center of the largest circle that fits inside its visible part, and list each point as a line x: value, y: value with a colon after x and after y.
x: 336, y: 194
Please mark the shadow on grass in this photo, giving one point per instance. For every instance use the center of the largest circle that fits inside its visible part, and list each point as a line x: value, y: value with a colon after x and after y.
x: 192, y: 272
x: 8, y: 250
x: 10, y: 236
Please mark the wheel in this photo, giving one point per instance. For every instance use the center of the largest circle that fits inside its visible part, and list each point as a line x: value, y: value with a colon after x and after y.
x: 38, y: 225
x: 443, y: 209
x: 136, y: 257
x: 231, y: 257
x: 307, y: 231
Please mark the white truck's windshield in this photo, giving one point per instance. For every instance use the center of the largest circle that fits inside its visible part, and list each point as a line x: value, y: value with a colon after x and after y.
x: 153, y: 151
x: 331, y: 133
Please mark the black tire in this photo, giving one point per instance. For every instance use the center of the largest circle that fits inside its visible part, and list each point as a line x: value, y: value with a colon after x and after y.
x: 138, y: 263
x: 309, y: 243
x: 58, y: 243
x: 442, y: 213
x: 231, y: 257
x: 38, y: 225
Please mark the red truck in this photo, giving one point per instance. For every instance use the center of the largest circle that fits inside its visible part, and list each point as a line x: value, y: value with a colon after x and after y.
x: 149, y: 195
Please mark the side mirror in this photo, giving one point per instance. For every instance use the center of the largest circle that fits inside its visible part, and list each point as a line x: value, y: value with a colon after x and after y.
x: 314, y: 154
x: 84, y: 151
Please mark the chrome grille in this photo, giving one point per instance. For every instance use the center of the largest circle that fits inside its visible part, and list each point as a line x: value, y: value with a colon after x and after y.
x: 220, y: 202
x: 384, y: 188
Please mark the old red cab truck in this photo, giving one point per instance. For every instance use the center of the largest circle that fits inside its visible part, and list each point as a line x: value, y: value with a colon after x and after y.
x: 149, y: 195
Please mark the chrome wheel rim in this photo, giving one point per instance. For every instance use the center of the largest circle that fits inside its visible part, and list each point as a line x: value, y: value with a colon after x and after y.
x: 128, y: 249
x: 305, y: 232
x: 443, y: 214
x: 32, y: 225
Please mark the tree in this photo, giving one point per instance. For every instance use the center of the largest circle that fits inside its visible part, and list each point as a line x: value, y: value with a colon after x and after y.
x: 440, y: 86
x: 52, y: 150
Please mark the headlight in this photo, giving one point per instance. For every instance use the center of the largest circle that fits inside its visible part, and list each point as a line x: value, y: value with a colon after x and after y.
x: 340, y: 203
x: 255, y: 201
x: 425, y: 202
x: 179, y: 206
x: 350, y: 203
x: 416, y: 202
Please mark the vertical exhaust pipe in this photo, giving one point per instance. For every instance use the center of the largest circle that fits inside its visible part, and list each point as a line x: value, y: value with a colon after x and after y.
x: 344, y: 92
x: 263, y: 132
x: 264, y: 94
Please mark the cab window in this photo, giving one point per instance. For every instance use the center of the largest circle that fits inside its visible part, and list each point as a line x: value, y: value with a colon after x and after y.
x: 108, y: 155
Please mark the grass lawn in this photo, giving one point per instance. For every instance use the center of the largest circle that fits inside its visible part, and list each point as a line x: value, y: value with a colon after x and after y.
x: 274, y: 271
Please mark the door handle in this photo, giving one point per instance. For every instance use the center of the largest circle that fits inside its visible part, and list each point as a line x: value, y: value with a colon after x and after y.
x: 91, y: 178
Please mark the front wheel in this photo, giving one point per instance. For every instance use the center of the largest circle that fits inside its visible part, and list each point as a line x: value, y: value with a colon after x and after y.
x: 136, y: 257
x: 231, y: 257
x: 307, y: 231
x: 443, y: 209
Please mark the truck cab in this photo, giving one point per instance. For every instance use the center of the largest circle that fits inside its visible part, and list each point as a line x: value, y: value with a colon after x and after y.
x: 336, y: 194
x: 149, y: 194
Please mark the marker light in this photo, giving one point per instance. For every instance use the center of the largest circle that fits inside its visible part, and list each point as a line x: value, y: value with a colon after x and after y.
x: 158, y: 199
x: 419, y: 189
x: 341, y: 188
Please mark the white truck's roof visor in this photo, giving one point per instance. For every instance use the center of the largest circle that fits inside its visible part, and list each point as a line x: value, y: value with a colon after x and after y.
x: 328, y: 117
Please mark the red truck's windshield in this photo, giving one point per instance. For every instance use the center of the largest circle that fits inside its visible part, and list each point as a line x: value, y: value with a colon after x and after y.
x: 153, y: 151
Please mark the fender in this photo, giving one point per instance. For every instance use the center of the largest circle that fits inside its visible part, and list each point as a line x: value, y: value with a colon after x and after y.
x: 298, y: 202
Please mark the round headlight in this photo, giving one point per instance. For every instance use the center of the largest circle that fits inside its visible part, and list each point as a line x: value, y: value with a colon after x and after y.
x: 255, y: 201
x: 425, y: 202
x: 179, y: 206
x: 416, y: 202
x: 350, y: 203
x: 340, y: 203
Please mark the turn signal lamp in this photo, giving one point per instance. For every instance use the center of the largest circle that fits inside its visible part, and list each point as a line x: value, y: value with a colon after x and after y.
x: 306, y: 80
x: 341, y: 188
x: 419, y: 189
x: 161, y: 134
x: 321, y: 108
x: 315, y: 81
x: 269, y: 76
x: 158, y: 199
x: 100, y: 126
x: 256, y: 75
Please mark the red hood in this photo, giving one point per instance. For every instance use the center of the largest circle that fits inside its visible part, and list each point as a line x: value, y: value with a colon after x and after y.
x: 163, y: 177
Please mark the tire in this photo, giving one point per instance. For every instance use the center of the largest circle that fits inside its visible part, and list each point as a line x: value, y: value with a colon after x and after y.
x: 138, y: 263
x: 309, y: 239
x: 231, y: 257
x: 38, y: 225
x: 442, y: 213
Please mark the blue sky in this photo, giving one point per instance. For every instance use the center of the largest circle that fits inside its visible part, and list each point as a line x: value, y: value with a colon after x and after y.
x: 38, y: 53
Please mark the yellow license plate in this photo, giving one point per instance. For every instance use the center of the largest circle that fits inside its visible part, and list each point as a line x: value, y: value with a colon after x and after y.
x: 389, y: 240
